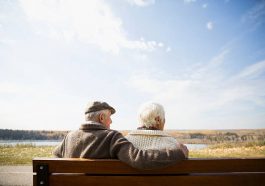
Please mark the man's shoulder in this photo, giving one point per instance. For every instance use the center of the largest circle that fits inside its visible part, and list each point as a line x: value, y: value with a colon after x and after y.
x: 114, y: 132
x: 98, y: 130
x: 95, y: 131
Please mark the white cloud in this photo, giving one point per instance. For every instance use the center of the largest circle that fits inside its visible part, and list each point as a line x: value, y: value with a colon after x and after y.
x: 141, y: 3
x: 91, y: 22
x: 161, y: 44
x: 209, y: 25
x: 205, y: 5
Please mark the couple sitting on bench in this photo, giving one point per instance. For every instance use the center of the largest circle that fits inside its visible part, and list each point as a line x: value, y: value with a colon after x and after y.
x: 147, y: 147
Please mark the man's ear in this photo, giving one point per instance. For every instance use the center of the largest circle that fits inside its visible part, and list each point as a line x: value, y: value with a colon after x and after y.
x: 101, y: 117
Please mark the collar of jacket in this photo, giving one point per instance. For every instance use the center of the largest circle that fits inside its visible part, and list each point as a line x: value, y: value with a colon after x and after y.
x: 92, y: 125
x: 149, y: 132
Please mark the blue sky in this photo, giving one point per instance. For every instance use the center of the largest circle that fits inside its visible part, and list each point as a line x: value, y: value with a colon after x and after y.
x: 203, y: 60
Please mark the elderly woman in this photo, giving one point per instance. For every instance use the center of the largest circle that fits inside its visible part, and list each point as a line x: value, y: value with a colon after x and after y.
x: 150, y: 134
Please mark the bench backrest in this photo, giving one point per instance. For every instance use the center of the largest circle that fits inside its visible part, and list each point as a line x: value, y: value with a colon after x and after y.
x: 62, y: 171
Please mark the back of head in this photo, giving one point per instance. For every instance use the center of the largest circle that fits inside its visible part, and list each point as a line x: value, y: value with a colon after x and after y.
x: 94, y: 108
x: 148, y: 113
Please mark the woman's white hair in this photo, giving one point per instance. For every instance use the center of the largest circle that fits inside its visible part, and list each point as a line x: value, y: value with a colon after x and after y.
x: 148, y: 112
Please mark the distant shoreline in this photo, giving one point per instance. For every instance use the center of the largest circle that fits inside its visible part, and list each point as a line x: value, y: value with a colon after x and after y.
x: 185, y: 136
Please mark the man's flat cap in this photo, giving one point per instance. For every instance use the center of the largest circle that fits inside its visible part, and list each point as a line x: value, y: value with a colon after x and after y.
x: 95, y: 106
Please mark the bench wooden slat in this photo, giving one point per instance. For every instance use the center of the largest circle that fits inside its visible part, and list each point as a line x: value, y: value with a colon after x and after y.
x: 228, y: 172
x: 206, y: 180
x: 72, y: 165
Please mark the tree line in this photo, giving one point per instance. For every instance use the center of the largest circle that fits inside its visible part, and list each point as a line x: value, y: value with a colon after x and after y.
x: 187, y: 136
x: 8, y: 134
x: 220, y: 136
x: 228, y: 136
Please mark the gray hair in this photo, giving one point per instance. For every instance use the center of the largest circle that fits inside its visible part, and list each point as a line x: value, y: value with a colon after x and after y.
x: 148, y: 112
x: 93, y: 116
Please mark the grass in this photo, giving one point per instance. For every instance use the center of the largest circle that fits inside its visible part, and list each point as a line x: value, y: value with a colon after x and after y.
x: 23, y: 154
x: 231, y: 150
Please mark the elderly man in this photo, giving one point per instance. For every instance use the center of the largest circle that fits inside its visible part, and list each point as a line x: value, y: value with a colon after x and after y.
x: 150, y: 134
x: 95, y: 139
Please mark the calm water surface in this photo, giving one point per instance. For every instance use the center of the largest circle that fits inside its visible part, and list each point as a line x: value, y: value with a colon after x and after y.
x: 56, y: 142
x: 30, y: 142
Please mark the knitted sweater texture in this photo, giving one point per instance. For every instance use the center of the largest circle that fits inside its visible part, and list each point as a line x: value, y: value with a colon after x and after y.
x: 152, y: 139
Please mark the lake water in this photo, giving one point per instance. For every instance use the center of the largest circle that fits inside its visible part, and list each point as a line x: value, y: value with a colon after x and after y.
x: 32, y: 142
x: 196, y: 146
x: 56, y: 142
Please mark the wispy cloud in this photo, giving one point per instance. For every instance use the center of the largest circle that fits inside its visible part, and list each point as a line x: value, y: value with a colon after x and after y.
x: 91, y: 22
x: 190, y: 1
x: 141, y: 3
x: 206, y: 89
x: 211, y: 71
x: 252, y: 71
x: 255, y: 16
x: 144, y: 45
x: 209, y: 25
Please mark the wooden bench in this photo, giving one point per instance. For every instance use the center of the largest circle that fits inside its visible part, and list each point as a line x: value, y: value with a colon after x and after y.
x: 91, y: 172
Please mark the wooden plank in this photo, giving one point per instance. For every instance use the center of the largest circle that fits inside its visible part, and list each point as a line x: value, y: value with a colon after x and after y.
x: 63, y: 165
x: 208, y: 180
